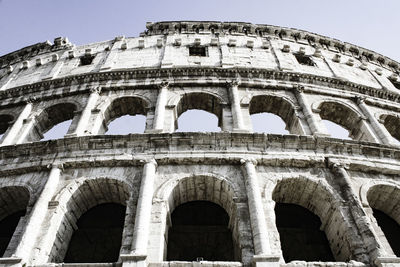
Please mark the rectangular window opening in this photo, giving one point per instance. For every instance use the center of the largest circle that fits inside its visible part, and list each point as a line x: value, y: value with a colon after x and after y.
x: 200, y: 51
x: 304, y: 60
x: 86, y: 60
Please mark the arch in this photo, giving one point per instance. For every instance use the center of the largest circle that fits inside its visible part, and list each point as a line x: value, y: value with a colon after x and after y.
x: 14, y: 201
x: 5, y: 122
x: 126, y: 105
x: 199, y: 229
x: 211, y: 189
x: 279, y: 106
x: 392, y: 124
x: 346, y: 116
x: 318, y: 198
x: 300, y: 234
x: 197, y: 100
x: 384, y: 199
x: 50, y: 117
x: 96, y: 237
x: 76, y: 199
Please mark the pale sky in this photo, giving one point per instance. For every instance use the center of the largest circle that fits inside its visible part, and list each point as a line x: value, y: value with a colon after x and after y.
x: 370, y: 24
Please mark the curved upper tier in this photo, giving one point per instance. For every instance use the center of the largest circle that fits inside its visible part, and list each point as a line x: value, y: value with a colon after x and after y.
x: 232, y: 70
x: 225, y: 45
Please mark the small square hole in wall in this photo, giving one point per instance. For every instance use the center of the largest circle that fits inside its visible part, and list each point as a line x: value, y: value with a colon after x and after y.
x: 304, y: 60
x: 200, y: 51
x: 86, y: 60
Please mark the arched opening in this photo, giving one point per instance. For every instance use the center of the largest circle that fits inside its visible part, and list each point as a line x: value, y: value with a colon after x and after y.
x: 268, y: 123
x: 346, y: 118
x: 5, y: 121
x: 7, y: 229
x: 318, y: 201
x: 390, y: 228
x: 51, y: 117
x: 198, y: 120
x: 126, y: 115
x: 385, y: 203
x: 204, y: 207
x: 94, y: 218
x: 199, y: 102
x: 200, y: 230
x: 336, y: 131
x: 127, y: 124
x: 13, y: 202
x: 98, y: 235
x: 392, y: 124
x: 300, y: 234
x: 278, y: 106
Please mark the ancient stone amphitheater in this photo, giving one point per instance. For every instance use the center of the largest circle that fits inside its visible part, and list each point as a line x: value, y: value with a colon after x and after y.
x: 230, y: 198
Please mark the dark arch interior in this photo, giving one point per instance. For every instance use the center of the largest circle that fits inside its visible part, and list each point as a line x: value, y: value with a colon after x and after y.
x: 7, y: 228
x: 300, y: 234
x: 341, y: 115
x: 390, y: 228
x: 99, y: 234
x: 5, y: 121
x: 392, y: 124
x: 202, y: 101
x: 125, y: 106
x: 275, y: 105
x: 200, y: 230
x: 54, y: 115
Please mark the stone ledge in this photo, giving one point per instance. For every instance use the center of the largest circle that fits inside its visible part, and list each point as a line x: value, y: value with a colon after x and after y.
x: 247, y: 76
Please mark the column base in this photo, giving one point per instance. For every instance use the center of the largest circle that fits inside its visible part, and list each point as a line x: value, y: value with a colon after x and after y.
x: 317, y: 134
x: 152, y: 131
x: 266, y: 260
x: 237, y: 130
x: 133, y: 260
x: 387, y: 262
x: 11, y: 261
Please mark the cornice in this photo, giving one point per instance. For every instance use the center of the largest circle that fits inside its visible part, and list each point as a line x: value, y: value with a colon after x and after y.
x: 194, y: 148
x: 60, y: 43
x: 265, y: 30
x: 151, y: 78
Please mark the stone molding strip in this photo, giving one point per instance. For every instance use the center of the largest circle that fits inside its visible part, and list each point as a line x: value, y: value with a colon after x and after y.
x: 249, y: 77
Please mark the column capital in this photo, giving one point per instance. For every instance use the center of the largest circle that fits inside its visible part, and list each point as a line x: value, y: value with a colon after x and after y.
x: 335, y: 165
x: 360, y: 99
x: 149, y: 160
x: 163, y: 84
x: 96, y: 89
x: 31, y: 100
x: 298, y: 88
x: 55, y: 165
x: 248, y: 160
x: 233, y: 83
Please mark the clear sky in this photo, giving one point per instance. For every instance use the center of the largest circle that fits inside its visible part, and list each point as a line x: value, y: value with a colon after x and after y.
x: 369, y: 23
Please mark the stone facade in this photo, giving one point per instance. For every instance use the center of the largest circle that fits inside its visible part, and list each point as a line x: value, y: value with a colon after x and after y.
x: 232, y: 70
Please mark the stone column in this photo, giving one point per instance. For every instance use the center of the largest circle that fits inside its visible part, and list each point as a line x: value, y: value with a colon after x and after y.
x: 378, y: 127
x: 11, y: 135
x: 141, y: 229
x: 160, y: 107
x: 38, y: 214
x: 238, y: 123
x: 314, y: 125
x: 262, y: 257
x: 368, y: 245
x: 28, y: 124
x: 86, y: 113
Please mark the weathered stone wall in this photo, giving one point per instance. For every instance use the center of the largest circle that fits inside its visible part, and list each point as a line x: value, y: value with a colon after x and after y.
x: 245, y: 69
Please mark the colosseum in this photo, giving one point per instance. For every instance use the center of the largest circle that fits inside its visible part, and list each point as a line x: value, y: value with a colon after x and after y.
x: 166, y: 198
